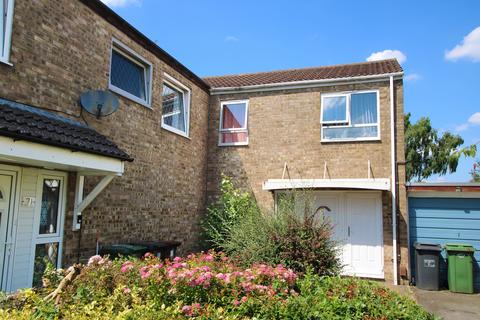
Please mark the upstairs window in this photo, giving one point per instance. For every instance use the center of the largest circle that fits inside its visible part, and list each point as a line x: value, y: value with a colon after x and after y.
x: 175, y: 106
x: 233, y: 123
x: 350, y: 116
x: 130, y: 74
x: 6, y: 20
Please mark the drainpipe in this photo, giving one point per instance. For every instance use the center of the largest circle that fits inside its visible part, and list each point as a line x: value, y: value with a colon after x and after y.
x: 394, y: 184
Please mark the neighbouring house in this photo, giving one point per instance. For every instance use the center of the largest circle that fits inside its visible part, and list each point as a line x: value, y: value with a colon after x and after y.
x: 70, y: 181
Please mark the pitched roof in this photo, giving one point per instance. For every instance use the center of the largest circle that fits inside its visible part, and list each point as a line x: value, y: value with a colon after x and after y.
x: 32, y: 124
x: 315, y: 73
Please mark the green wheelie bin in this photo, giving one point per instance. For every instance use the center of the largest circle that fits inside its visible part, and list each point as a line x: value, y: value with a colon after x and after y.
x: 460, y: 267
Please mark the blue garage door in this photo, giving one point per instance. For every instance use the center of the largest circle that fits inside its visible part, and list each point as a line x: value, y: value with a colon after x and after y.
x: 444, y: 220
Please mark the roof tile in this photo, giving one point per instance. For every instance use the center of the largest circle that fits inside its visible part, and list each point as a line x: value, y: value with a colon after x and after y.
x: 32, y: 124
x: 305, y: 74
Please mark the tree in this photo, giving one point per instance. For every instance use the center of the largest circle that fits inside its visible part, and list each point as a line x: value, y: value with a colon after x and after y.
x: 475, y: 171
x: 429, y: 153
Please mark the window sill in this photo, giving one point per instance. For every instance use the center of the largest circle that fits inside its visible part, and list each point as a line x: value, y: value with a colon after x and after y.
x: 238, y: 144
x: 351, y: 140
x: 129, y: 96
x: 176, y: 131
x: 8, y: 63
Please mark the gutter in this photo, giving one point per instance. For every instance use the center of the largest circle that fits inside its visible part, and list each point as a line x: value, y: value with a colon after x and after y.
x: 394, y: 183
x: 304, y: 84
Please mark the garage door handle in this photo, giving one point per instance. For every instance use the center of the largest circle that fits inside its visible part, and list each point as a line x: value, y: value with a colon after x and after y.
x: 349, y: 231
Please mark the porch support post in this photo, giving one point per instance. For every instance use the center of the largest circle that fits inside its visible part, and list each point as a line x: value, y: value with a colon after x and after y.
x: 78, y: 199
x: 81, y: 204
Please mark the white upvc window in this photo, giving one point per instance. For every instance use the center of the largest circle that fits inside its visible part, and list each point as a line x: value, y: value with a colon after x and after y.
x: 130, y: 74
x: 6, y: 21
x: 175, y: 106
x: 350, y: 116
x: 233, y: 123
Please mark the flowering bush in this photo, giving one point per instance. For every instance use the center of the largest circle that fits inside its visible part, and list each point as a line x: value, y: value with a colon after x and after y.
x: 206, y: 286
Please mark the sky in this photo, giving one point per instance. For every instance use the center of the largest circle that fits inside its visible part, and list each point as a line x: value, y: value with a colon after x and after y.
x: 437, y: 43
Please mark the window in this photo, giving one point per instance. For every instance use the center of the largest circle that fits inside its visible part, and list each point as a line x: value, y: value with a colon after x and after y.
x: 233, y: 123
x: 130, y: 74
x: 6, y: 19
x: 175, y: 106
x: 350, y: 116
x: 49, y: 209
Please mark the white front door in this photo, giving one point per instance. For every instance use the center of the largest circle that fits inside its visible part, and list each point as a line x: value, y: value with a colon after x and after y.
x: 356, y: 218
x: 6, y: 212
x: 365, y: 234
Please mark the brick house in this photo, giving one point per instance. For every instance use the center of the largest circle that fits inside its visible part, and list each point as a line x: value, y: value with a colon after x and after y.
x: 147, y: 171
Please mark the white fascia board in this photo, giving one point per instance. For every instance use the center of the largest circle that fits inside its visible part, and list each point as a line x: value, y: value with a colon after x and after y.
x: 305, y: 84
x: 51, y: 157
x: 368, y: 184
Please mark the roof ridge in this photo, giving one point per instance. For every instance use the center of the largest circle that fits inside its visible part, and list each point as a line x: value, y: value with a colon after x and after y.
x: 302, y: 68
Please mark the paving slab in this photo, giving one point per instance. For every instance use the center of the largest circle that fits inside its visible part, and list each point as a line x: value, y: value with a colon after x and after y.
x: 449, y: 305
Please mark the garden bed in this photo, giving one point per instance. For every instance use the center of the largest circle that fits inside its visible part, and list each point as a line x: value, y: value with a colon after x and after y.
x: 203, y: 286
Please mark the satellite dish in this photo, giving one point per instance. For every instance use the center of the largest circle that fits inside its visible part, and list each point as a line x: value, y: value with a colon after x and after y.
x: 99, y: 103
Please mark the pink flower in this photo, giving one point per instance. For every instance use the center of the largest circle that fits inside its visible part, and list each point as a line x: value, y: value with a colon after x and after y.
x: 177, y: 259
x: 206, y: 257
x: 236, y: 303
x: 126, y: 290
x: 243, y: 300
x: 94, y: 260
x: 126, y: 266
x: 145, y: 272
x: 187, y: 310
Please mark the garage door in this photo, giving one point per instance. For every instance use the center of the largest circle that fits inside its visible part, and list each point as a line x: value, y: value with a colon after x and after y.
x: 444, y: 220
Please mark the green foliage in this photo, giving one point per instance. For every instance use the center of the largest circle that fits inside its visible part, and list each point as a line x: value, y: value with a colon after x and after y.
x: 208, y: 286
x: 429, y: 153
x: 475, y: 173
x: 223, y: 215
x: 285, y: 237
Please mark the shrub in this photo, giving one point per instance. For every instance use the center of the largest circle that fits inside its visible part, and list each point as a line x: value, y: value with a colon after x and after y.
x: 223, y: 215
x: 299, y: 241
x: 208, y: 286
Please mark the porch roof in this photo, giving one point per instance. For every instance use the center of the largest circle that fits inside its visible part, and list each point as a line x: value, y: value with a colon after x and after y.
x: 365, y: 184
x: 35, y: 137
x: 23, y: 122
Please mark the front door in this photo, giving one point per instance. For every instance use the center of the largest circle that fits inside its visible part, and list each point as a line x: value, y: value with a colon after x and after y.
x: 365, y: 234
x: 6, y: 208
x: 356, y: 218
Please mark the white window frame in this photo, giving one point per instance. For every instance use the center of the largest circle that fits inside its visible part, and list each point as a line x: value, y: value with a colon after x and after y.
x: 128, y: 53
x: 177, y: 85
x: 236, y: 130
x: 7, y: 39
x: 329, y: 124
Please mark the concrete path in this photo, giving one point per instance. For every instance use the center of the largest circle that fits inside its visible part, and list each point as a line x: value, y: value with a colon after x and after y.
x: 448, y: 305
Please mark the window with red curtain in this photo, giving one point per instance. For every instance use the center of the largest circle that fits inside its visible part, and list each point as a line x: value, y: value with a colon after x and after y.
x: 233, y: 123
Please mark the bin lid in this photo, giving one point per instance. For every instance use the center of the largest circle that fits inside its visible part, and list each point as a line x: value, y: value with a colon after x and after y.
x: 427, y: 246
x: 459, y: 247
x: 125, y: 247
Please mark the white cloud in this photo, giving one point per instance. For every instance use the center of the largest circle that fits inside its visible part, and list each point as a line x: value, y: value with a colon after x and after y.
x: 462, y: 127
x: 473, y: 120
x: 121, y: 3
x: 413, y: 77
x: 388, y: 54
x: 231, y: 39
x: 469, y: 48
